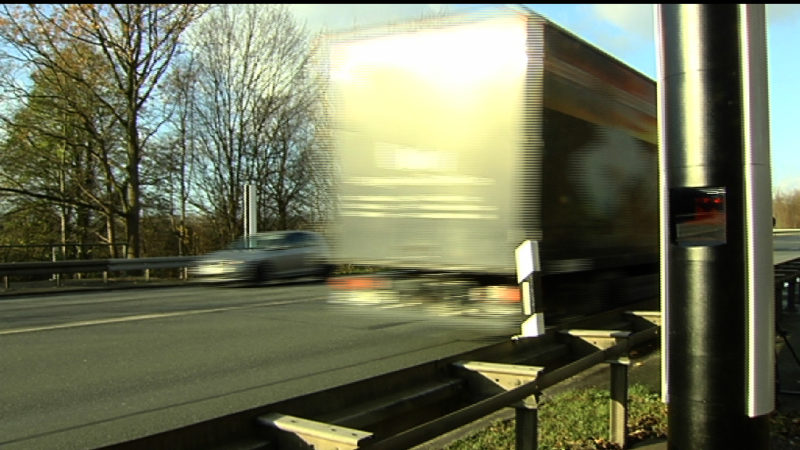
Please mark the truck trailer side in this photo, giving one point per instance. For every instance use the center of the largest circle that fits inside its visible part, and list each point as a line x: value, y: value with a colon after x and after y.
x: 456, y: 138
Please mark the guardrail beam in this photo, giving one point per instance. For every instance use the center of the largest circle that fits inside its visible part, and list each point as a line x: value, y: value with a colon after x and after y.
x: 652, y: 317
x: 299, y: 433
x: 491, y: 378
x: 488, y: 378
x: 601, y: 339
x: 57, y: 268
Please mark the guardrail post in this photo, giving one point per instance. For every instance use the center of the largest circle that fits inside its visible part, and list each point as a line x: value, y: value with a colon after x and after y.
x: 105, y: 277
x: 790, y: 298
x: 146, y: 275
x: 618, y: 420
x: 5, y: 281
x: 56, y: 276
x: 490, y: 378
x: 604, y: 339
x: 527, y: 423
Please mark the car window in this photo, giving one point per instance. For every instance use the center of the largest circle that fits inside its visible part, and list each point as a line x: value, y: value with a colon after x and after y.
x: 258, y: 242
x: 270, y: 241
x: 297, y: 240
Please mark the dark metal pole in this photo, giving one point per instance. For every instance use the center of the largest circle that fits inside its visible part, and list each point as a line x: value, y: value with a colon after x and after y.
x: 713, y: 272
x: 527, y: 423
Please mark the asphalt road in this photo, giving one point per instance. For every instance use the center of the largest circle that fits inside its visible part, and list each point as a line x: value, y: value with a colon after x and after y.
x: 88, y: 369
x: 84, y: 370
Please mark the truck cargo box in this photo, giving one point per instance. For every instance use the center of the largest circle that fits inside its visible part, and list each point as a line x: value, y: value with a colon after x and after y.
x: 456, y: 138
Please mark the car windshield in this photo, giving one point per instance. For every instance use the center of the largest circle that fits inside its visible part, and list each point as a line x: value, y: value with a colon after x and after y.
x: 260, y: 242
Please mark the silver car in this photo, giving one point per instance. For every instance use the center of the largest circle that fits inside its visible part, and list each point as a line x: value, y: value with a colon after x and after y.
x: 266, y: 256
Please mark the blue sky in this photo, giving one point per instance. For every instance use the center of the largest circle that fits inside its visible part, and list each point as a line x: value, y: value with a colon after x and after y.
x: 626, y: 32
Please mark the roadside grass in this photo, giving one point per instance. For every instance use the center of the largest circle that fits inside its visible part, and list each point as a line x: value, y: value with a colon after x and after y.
x: 578, y: 419
x: 784, y: 427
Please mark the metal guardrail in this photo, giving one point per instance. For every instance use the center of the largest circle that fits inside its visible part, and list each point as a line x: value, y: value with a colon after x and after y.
x: 406, y: 408
x: 786, y: 231
x: 105, y: 266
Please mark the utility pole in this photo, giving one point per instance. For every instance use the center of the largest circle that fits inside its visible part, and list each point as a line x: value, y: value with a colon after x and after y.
x: 716, y: 231
x: 249, y: 208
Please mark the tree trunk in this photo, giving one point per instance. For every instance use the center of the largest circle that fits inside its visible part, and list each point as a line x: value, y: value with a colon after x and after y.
x: 111, y: 235
x: 134, y: 160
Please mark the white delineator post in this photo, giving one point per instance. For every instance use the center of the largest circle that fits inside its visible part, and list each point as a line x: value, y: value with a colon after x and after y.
x: 528, y: 273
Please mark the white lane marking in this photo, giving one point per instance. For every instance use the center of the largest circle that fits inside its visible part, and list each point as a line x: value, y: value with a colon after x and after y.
x: 86, y: 323
x: 399, y: 305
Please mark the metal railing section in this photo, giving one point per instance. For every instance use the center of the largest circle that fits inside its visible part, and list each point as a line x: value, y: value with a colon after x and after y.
x: 56, y: 268
x: 409, y: 407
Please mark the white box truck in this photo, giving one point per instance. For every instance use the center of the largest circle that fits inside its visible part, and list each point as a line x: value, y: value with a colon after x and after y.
x: 454, y: 139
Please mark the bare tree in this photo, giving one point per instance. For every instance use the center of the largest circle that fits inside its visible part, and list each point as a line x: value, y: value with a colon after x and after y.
x: 178, y: 161
x: 786, y: 208
x: 54, y: 150
x: 135, y: 42
x: 254, y: 107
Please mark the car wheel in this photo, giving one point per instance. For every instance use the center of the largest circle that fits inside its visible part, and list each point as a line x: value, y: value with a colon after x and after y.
x: 263, y: 273
x: 325, y: 271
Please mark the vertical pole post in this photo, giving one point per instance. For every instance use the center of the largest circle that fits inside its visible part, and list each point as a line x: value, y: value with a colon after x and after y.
x: 527, y: 423
x: 717, y: 225
x: 618, y: 417
x: 249, y: 209
x: 56, y: 276
x: 79, y: 255
x: 528, y: 274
